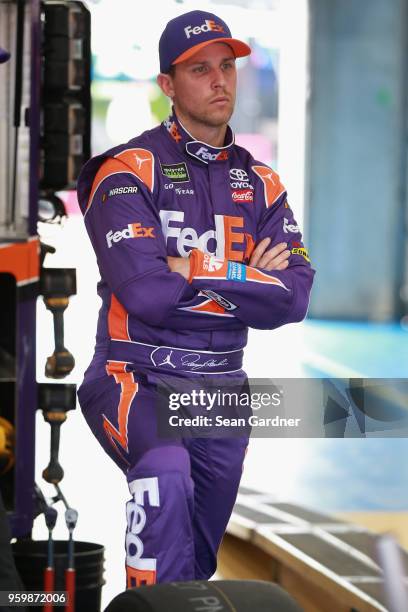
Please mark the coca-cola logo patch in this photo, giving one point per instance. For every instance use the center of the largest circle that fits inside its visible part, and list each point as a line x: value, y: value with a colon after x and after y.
x: 243, y: 195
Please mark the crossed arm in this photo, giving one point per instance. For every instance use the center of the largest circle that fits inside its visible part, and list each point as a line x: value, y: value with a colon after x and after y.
x: 272, y: 289
x: 276, y: 258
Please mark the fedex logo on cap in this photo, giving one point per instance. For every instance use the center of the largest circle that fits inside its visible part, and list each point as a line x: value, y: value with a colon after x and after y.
x: 209, y: 25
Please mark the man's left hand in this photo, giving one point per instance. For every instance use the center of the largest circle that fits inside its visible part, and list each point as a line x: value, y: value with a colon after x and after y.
x: 275, y: 258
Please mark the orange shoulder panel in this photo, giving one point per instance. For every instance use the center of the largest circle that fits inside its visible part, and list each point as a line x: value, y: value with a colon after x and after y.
x: 141, y: 163
x: 109, y: 167
x: 273, y: 188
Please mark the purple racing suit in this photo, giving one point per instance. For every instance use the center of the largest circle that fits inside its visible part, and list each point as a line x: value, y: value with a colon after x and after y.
x: 166, y: 194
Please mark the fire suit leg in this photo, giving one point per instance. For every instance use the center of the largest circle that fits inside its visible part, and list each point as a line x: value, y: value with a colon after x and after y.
x: 159, y: 537
x: 216, y: 468
x: 119, y: 409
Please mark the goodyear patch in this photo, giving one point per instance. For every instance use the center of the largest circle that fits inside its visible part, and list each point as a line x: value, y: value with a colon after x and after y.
x: 177, y: 173
x: 301, y: 251
x: 236, y: 272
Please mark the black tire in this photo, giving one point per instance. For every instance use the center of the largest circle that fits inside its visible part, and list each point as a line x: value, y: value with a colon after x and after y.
x: 220, y: 595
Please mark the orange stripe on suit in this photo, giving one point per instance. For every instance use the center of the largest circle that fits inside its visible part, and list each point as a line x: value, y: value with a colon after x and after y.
x: 129, y: 388
x: 117, y: 320
x: 253, y: 274
x: 207, y: 306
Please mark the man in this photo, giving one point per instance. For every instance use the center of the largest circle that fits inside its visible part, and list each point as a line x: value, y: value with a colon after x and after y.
x: 187, y: 228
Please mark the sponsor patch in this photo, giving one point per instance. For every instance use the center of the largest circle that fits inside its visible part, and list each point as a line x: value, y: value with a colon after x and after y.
x: 119, y: 191
x: 177, y: 173
x: 243, y: 195
x: 236, y: 272
x: 289, y: 227
x: 301, y: 251
x: 133, y: 230
x: 222, y: 301
x: 178, y: 190
x: 239, y: 179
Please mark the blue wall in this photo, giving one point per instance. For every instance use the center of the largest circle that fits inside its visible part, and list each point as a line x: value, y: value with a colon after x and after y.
x: 356, y: 160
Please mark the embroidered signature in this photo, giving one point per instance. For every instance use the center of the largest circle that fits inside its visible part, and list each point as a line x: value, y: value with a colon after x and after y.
x: 192, y: 359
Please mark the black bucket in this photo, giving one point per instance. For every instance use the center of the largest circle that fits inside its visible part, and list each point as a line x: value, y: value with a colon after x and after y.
x: 31, y: 559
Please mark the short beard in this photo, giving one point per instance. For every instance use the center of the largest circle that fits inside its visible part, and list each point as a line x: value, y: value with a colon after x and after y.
x: 206, y: 120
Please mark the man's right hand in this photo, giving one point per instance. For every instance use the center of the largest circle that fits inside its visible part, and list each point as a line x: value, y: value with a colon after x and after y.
x: 274, y: 259
x: 180, y: 265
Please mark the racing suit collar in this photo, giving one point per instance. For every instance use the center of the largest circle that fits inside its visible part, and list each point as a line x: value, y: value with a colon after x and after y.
x: 202, y: 151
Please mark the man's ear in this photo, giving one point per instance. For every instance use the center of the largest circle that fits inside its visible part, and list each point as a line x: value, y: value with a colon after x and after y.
x: 165, y: 82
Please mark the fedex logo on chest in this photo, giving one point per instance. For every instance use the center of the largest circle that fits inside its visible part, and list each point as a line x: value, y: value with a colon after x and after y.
x: 221, y: 241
